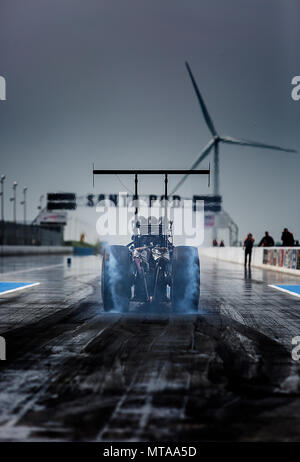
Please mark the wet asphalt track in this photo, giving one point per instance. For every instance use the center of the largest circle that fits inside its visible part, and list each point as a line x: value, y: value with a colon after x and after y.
x: 74, y: 372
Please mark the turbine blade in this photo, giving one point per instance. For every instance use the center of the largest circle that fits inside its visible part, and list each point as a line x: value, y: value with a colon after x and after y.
x: 255, y: 144
x: 202, y: 156
x: 206, y: 115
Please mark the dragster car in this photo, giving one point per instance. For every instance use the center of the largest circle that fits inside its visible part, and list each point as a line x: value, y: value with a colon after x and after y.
x: 151, y: 269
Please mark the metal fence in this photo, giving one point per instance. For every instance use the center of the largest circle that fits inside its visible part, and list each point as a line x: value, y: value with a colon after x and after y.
x: 21, y: 234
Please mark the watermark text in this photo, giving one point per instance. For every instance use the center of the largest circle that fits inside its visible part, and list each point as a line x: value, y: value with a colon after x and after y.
x: 2, y: 88
x: 2, y: 349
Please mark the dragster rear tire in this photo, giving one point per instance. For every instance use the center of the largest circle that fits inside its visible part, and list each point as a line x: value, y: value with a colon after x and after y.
x: 185, y: 289
x: 115, y: 278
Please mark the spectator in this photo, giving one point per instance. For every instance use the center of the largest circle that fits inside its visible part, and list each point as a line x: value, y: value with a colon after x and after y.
x: 267, y: 241
x: 215, y: 243
x: 287, y: 238
x: 248, y: 245
x: 222, y: 244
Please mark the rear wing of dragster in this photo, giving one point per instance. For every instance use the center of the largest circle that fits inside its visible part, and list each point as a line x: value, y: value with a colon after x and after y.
x: 152, y: 172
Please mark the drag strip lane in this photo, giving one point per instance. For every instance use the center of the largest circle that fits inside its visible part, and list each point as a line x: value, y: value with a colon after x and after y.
x: 150, y: 378
x: 30, y: 270
x: 85, y: 375
x: 226, y: 289
x: 61, y: 287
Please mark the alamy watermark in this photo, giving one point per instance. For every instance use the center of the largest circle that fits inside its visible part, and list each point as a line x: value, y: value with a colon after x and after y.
x: 296, y: 90
x: 296, y: 349
x: 2, y: 98
x: 184, y: 219
x: 2, y: 349
x: 2, y: 88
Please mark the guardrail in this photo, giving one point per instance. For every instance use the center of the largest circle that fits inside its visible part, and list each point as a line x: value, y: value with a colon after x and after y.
x: 283, y: 259
x: 19, y: 250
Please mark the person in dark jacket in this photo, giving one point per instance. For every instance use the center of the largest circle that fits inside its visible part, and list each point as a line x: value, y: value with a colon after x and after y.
x: 267, y: 241
x: 248, y: 245
x: 287, y: 238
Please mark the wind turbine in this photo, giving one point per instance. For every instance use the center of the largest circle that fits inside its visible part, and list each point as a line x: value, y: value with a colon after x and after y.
x: 216, y: 140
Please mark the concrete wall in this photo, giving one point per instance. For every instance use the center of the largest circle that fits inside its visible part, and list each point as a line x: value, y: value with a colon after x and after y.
x: 288, y: 257
x: 20, y: 234
x: 10, y: 250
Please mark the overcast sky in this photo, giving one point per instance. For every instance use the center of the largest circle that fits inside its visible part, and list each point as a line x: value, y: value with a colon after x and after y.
x: 104, y: 81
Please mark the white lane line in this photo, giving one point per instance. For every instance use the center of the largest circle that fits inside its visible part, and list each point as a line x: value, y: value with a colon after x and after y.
x: 20, y: 288
x: 285, y: 290
x: 39, y: 268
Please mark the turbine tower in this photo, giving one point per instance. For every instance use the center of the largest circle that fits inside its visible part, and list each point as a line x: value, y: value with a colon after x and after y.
x: 216, y: 140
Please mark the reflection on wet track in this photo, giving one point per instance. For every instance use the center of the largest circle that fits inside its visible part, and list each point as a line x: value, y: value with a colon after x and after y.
x: 74, y: 372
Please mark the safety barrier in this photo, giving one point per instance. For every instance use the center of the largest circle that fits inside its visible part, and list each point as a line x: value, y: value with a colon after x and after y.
x: 283, y: 259
x: 18, y: 250
x: 83, y: 251
x: 19, y: 234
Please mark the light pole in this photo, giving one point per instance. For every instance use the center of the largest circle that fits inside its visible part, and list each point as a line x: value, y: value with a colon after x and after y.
x: 23, y: 202
x: 41, y: 202
x: 2, y: 196
x: 14, y: 200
